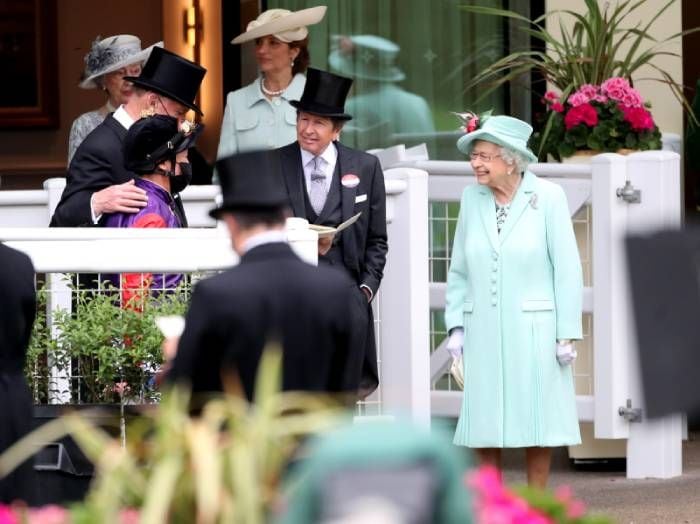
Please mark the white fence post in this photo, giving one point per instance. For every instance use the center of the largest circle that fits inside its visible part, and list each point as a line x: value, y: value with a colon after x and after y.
x: 405, y: 322
x: 59, y: 298
x: 54, y: 188
x: 610, y: 322
x: 654, y: 447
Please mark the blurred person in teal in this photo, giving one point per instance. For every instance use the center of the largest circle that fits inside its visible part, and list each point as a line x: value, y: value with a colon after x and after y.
x: 258, y: 116
x: 514, y: 299
x: 384, y: 113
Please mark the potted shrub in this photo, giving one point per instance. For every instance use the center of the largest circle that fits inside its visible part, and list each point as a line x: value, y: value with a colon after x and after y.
x: 594, y: 47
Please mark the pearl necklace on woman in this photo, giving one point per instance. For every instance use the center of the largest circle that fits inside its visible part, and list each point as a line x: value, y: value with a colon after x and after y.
x: 267, y: 91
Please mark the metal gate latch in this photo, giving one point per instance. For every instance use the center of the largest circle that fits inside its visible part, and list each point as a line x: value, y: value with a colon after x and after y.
x: 629, y: 194
x: 629, y: 413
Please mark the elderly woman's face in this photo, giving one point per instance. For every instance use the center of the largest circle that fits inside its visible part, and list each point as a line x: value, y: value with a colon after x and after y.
x: 118, y: 89
x: 490, y: 169
x: 274, y: 55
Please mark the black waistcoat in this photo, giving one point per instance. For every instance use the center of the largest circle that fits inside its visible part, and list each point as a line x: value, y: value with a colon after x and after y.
x: 331, y: 215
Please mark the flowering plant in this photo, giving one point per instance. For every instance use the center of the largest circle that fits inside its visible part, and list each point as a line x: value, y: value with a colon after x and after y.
x: 471, y: 121
x: 496, y: 504
x: 606, y: 117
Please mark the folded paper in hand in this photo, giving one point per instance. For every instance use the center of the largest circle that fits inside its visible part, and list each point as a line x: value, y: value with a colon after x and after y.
x: 326, y: 231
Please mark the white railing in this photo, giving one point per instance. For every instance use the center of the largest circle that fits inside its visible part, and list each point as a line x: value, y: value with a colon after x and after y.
x: 653, y: 447
x: 405, y: 387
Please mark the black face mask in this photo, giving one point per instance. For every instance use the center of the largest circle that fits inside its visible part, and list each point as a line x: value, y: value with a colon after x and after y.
x: 179, y: 183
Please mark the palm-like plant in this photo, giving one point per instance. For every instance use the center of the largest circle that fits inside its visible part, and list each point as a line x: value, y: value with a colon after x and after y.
x: 597, y: 46
x: 221, y: 467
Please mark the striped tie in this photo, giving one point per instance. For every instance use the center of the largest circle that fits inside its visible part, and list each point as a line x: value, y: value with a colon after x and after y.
x: 317, y: 189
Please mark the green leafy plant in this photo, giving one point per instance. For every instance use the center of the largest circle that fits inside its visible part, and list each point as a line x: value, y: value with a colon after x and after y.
x: 220, y: 467
x: 592, y: 47
x: 112, y: 352
x: 595, y: 47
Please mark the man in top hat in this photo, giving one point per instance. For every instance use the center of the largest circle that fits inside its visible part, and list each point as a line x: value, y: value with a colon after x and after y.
x: 327, y: 183
x: 270, y: 296
x: 97, y: 181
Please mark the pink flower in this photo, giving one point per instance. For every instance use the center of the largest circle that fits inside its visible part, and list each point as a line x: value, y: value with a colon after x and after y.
x: 583, y: 114
x: 494, y: 504
x: 615, y: 88
x: 632, y: 98
x: 639, y: 118
x: 551, y: 97
x: 7, y: 516
x: 121, y: 388
x: 574, y: 508
x: 600, y: 98
x: 556, y: 106
x: 583, y: 95
x: 129, y: 516
x: 578, y: 99
x: 472, y: 124
x: 49, y: 515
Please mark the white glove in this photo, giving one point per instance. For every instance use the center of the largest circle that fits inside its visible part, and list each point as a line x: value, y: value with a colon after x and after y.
x: 566, y: 353
x: 455, y: 342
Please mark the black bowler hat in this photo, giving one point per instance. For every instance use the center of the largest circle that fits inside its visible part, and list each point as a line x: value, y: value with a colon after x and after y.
x: 154, y: 139
x: 172, y: 76
x: 324, y: 94
x: 251, y: 181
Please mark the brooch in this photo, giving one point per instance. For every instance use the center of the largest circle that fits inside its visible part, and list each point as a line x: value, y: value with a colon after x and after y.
x: 533, y: 201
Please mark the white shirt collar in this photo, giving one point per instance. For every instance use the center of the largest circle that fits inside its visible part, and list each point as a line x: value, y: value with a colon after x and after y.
x: 121, y: 116
x: 266, y: 237
x: 330, y: 155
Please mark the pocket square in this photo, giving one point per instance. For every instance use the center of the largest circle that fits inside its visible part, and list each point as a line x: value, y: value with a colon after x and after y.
x: 360, y: 198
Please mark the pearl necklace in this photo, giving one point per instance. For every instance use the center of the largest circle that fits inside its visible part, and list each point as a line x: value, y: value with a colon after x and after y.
x: 267, y: 91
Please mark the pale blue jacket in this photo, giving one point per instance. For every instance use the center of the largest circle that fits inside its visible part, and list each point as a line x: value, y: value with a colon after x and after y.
x: 252, y: 122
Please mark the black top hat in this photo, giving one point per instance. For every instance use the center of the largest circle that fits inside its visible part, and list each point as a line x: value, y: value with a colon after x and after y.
x: 172, y: 76
x: 324, y: 94
x: 251, y: 181
x: 152, y: 140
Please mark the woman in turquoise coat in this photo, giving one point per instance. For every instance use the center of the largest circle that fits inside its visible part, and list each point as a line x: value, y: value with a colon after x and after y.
x: 258, y: 116
x: 514, y: 293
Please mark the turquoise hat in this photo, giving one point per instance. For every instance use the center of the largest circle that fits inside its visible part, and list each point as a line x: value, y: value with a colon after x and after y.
x: 505, y: 131
x: 369, y: 57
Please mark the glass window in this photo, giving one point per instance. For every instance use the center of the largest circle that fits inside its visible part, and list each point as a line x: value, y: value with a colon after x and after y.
x: 410, y: 61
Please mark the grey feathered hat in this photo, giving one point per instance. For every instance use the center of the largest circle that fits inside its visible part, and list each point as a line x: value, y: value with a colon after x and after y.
x: 110, y: 54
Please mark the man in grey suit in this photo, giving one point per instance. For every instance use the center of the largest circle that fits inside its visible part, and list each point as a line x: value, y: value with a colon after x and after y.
x: 327, y: 183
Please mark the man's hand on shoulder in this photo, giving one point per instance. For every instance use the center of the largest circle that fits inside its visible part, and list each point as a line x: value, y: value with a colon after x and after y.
x: 121, y: 198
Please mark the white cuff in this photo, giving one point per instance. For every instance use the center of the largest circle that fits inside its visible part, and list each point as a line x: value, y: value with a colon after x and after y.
x: 566, y: 353
x: 95, y: 219
x: 371, y: 295
x: 455, y: 342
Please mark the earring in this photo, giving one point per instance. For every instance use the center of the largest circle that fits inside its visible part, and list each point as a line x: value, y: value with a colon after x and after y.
x: 150, y: 111
x: 292, y: 64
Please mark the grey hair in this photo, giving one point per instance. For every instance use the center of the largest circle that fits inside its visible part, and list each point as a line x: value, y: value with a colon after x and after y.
x: 511, y: 157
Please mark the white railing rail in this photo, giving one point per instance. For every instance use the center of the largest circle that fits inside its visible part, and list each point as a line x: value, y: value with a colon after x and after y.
x: 405, y: 388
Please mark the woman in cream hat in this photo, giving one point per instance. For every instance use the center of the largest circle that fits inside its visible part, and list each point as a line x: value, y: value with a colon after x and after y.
x: 258, y: 116
x: 108, y: 62
x: 513, y: 307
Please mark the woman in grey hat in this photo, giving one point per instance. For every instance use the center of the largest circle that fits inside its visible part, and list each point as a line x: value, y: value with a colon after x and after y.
x: 258, y: 116
x: 108, y: 62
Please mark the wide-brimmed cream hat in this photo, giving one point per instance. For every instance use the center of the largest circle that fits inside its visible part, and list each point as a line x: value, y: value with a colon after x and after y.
x: 110, y: 54
x: 287, y: 26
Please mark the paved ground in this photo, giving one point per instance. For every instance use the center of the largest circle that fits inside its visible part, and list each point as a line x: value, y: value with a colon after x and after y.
x: 674, y: 501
